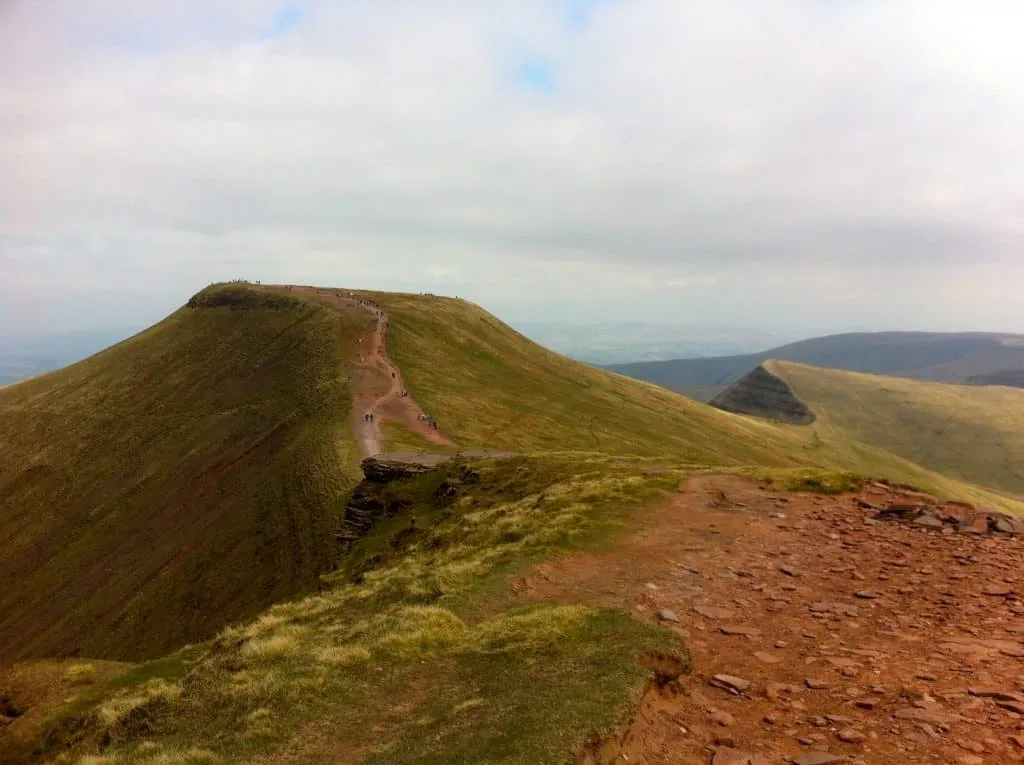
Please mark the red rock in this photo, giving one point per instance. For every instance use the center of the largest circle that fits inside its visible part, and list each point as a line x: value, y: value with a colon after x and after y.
x: 995, y: 693
x: 997, y: 590
x: 922, y: 715
x: 750, y: 632
x: 1012, y: 706
x: 726, y: 755
x: 850, y: 736
x: 817, y: 758
x: 721, y: 717
x: 713, y: 612
x: 774, y: 691
x: 731, y: 683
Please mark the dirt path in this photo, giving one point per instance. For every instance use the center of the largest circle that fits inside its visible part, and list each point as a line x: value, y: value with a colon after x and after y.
x: 377, y: 383
x: 836, y: 638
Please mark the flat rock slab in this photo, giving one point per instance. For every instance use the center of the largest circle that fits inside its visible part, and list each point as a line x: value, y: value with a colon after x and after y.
x: 932, y: 717
x: 817, y: 758
x: 731, y: 683
x: 725, y: 755
x: 714, y: 612
x: 751, y: 632
x: 997, y: 590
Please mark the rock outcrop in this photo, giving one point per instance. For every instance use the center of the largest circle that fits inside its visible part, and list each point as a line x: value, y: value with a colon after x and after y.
x: 952, y: 517
x: 762, y: 394
x: 382, y: 470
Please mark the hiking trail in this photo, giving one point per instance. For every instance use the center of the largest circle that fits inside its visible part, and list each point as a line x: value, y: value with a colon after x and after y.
x: 377, y: 383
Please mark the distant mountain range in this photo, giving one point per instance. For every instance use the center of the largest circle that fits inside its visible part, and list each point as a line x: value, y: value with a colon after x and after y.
x: 976, y: 357
x: 606, y: 343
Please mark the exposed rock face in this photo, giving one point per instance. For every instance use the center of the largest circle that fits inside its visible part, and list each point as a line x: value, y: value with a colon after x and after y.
x: 762, y: 394
x: 370, y: 501
x: 379, y: 470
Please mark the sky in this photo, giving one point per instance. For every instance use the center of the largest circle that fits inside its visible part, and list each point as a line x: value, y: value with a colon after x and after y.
x: 794, y: 166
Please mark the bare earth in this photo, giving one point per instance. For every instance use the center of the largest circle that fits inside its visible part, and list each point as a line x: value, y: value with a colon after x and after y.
x: 839, y: 640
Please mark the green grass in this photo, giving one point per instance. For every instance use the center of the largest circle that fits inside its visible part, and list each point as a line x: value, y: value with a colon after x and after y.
x: 176, y: 482
x: 521, y: 685
x: 971, y: 433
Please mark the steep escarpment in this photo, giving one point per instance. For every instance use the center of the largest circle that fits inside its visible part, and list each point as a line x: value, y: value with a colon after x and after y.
x: 177, y: 482
x: 762, y: 394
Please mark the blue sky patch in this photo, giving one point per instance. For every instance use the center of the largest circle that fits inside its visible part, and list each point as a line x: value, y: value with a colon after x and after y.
x: 286, y: 19
x: 536, y: 75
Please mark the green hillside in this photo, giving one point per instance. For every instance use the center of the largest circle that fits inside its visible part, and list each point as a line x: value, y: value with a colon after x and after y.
x: 973, y: 433
x: 175, y: 483
x: 491, y: 387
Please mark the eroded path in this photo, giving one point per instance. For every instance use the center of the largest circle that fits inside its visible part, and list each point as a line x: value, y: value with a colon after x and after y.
x: 377, y: 385
x: 840, y: 639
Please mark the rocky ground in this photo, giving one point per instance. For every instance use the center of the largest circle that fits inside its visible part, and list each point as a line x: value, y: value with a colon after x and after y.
x: 824, y: 629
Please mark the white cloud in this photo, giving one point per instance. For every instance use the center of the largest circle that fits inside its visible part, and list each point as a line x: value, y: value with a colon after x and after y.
x: 815, y: 163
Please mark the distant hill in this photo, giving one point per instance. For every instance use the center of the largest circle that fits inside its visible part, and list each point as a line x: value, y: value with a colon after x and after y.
x: 934, y: 356
x: 1013, y: 378
x: 974, y: 433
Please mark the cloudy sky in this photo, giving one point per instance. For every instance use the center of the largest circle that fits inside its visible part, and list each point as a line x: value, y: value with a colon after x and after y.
x: 791, y: 165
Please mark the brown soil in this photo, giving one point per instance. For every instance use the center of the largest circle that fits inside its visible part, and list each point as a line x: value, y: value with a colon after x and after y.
x: 376, y: 382
x: 875, y: 642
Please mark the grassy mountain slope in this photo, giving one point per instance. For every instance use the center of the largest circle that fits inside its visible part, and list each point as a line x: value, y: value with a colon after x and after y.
x: 178, y: 481
x: 973, y: 433
x: 917, y: 355
x: 490, y: 387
